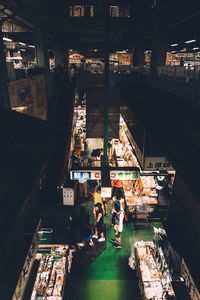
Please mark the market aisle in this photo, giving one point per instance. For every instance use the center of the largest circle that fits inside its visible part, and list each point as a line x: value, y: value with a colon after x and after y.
x: 109, y: 276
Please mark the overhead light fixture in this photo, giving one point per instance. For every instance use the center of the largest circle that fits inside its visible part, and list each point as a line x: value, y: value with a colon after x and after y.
x: 190, y: 41
x: 22, y: 50
x: 23, y: 44
x: 183, y: 50
x: 173, y: 51
x: 123, y: 51
x: 174, y: 45
x: 7, y: 39
x: 95, y: 50
x: 31, y: 46
x: 195, y: 48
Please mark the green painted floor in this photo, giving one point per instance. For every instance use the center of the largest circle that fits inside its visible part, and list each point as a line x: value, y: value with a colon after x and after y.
x: 109, y: 276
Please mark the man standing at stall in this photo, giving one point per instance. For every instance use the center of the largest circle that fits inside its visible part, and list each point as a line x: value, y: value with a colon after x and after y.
x: 117, y: 186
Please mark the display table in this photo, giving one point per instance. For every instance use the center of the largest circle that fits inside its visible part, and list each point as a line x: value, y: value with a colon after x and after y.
x: 136, y: 199
x: 154, y: 282
x: 143, y: 193
x: 54, y: 264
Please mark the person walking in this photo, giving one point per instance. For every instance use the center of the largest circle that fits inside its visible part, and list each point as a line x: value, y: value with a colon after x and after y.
x: 98, y: 199
x: 99, y: 223
x: 117, y: 219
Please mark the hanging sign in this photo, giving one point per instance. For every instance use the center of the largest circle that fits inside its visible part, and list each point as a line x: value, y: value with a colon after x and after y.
x: 96, y: 175
x: 124, y: 175
x: 88, y: 175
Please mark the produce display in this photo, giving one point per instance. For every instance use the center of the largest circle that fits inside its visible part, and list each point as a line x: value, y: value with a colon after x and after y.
x: 50, y: 279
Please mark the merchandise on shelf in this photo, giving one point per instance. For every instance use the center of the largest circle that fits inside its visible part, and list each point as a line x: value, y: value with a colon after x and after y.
x: 154, y: 276
x: 137, y: 194
x: 50, y: 279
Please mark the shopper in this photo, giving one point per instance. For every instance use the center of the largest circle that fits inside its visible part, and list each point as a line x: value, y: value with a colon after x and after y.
x: 99, y: 223
x: 86, y: 231
x: 98, y: 199
x: 97, y: 152
x: 76, y: 160
x: 83, y: 188
x: 117, y: 219
x: 117, y: 186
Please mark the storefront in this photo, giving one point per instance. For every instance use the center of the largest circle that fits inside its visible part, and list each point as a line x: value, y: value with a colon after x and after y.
x: 161, y: 271
x: 155, y: 280
x: 156, y: 175
x: 54, y: 263
x: 48, y: 264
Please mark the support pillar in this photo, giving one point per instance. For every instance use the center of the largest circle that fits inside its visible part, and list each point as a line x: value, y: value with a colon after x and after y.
x: 159, y: 51
x: 138, y: 56
x: 106, y: 81
x: 42, y: 57
x: 61, y: 54
x: 4, y: 98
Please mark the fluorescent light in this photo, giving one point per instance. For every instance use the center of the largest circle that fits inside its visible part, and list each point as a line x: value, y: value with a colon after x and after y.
x: 123, y: 51
x: 195, y: 48
x: 190, y: 41
x: 173, y: 51
x: 7, y: 39
x: 22, y: 50
x: 14, y: 58
x: 174, y: 45
x: 23, y: 44
x: 183, y: 50
x: 31, y: 46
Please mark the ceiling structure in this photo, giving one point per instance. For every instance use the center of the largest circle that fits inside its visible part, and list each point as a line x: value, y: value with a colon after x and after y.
x: 53, y: 17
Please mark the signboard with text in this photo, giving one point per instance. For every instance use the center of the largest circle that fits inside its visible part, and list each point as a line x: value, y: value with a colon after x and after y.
x: 87, y: 175
x: 157, y: 164
x: 124, y: 175
x: 96, y: 175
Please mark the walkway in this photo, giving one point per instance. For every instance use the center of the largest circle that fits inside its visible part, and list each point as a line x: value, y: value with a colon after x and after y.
x: 109, y: 276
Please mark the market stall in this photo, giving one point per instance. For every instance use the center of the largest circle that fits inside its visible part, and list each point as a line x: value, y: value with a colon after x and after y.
x: 152, y: 188
x: 154, y: 277
x: 54, y: 265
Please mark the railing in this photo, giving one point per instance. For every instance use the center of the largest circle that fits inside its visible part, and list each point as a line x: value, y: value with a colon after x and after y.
x: 179, y: 73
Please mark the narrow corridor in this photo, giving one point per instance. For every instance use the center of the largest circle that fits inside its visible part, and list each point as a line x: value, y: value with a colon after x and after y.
x: 109, y: 277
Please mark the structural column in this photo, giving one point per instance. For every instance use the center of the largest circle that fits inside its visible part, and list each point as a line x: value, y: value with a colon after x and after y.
x: 61, y: 53
x: 106, y: 80
x: 138, y: 56
x: 42, y: 57
x: 159, y: 51
x: 4, y: 98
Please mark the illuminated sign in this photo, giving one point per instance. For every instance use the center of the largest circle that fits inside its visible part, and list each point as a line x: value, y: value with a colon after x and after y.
x: 124, y: 175
x: 87, y: 175
x: 96, y: 175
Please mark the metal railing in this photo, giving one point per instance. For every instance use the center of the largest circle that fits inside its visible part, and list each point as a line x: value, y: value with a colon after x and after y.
x: 179, y: 73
